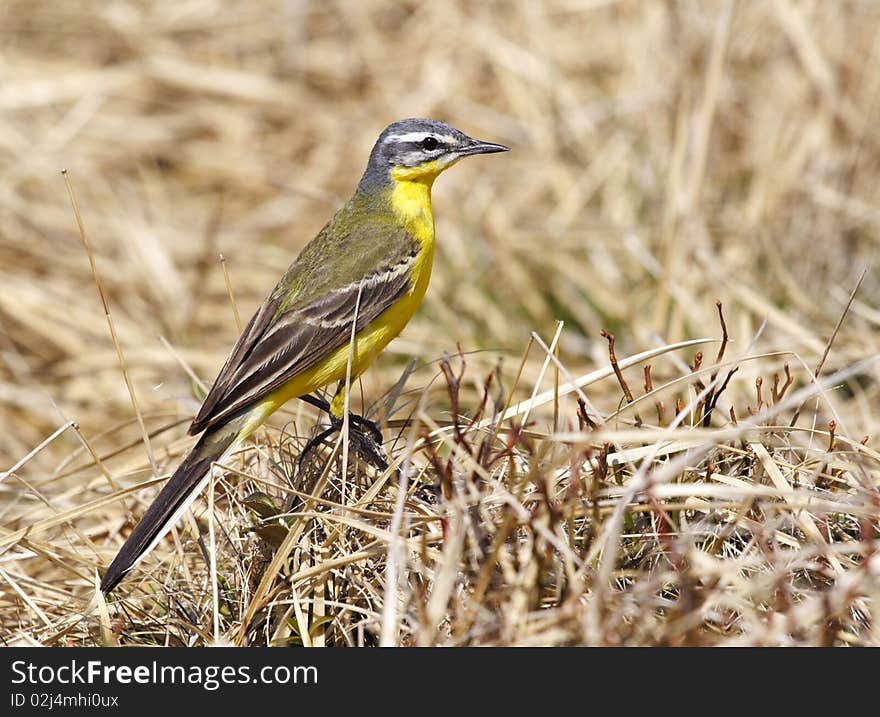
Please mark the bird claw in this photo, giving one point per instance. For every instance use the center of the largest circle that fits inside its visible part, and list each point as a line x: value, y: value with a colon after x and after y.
x: 364, y: 438
x: 361, y: 423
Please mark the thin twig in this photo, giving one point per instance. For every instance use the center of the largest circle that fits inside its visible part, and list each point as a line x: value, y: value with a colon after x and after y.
x: 833, y: 336
x: 230, y: 293
x: 120, y: 356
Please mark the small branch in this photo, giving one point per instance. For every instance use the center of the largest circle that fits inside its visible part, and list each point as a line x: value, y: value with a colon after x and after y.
x: 700, y: 387
x: 453, y: 385
x: 229, y: 291
x: 712, y: 396
x: 616, y: 367
x: 788, y: 380
x: 661, y: 413
x: 830, y: 343
x: 583, y: 416
x: 119, y: 355
x: 723, y: 331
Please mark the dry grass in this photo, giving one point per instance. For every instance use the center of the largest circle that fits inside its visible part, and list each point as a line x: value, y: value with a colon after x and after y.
x: 667, y: 154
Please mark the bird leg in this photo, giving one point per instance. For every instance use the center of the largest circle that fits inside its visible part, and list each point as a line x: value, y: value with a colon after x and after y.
x: 360, y: 421
x: 364, y: 435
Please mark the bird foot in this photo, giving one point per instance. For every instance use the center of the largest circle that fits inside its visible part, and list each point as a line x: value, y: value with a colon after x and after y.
x: 364, y: 438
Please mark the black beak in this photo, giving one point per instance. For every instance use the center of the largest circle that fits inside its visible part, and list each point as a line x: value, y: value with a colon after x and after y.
x: 479, y: 147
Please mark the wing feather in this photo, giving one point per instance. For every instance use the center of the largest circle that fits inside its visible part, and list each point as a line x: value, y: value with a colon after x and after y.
x: 282, y: 341
x: 251, y: 334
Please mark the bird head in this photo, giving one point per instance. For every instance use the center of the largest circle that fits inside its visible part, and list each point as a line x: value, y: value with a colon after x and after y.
x: 417, y: 150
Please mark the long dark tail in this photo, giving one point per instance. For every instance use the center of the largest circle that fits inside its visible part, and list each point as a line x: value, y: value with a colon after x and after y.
x: 181, y: 490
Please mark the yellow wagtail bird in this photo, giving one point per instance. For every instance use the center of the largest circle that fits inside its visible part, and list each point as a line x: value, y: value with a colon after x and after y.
x: 366, y: 271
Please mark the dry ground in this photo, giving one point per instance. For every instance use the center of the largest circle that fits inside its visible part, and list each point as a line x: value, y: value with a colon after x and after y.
x: 667, y: 154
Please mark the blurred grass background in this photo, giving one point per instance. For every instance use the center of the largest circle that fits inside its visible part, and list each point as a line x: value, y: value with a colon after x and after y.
x: 667, y: 153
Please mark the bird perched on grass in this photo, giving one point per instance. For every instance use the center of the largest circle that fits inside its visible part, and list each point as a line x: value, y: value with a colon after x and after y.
x: 364, y: 273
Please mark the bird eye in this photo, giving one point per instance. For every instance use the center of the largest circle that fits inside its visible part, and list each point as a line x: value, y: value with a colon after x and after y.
x: 429, y: 143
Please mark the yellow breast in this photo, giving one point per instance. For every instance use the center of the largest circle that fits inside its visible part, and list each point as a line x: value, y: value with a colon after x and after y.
x: 411, y: 202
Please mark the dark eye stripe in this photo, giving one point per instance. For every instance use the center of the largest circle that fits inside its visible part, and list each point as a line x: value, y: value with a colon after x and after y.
x: 404, y: 147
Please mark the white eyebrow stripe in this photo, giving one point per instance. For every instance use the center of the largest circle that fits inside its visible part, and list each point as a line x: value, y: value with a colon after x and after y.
x: 418, y: 136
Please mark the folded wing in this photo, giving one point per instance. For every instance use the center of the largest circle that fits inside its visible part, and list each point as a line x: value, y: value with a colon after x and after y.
x: 285, y: 338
